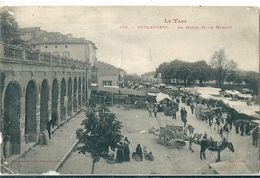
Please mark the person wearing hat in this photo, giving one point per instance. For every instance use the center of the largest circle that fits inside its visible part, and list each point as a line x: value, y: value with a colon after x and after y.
x: 203, y: 147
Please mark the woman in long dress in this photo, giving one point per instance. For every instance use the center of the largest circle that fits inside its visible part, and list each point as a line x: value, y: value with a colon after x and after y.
x: 120, y: 153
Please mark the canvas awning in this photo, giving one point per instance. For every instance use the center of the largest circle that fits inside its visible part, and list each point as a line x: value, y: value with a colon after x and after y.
x: 162, y: 96
x: 245, y: 95
x: 152, y: 94
x: 248, y: 110
x: 172, y: 87
x: 232, y: 92
x: 232, y: 104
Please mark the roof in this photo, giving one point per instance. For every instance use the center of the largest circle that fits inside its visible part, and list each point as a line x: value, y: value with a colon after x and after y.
x: 106, y: 69
x: 55, y: 37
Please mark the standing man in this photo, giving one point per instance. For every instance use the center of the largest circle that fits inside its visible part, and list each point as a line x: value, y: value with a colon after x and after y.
x: 203, y: 147
x: 255, y: 136
x: 242, y: 128
x: 53, y: 119
x: 150, y: 111
x: 192, y: 108
x: 173, y: 113
x: 49, y: 129
x: 218, y: 120
x: 155, y: 110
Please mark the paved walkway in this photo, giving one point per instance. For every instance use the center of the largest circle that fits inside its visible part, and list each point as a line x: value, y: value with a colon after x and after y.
x: 42, y: 159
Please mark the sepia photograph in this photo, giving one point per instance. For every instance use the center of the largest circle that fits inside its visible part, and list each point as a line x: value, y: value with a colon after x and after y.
x: 129, y: 90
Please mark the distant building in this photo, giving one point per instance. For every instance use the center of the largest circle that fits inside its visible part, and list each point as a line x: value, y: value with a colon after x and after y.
x: 60, y: 45
x: 149, y: 77
x: 109, y: 75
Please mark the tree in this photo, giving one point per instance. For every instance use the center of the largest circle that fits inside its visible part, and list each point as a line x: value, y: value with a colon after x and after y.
x: 252, y: 80
x: 9, y: 28
x: 133, y: 78
x: 222, y: 66
x: 201, y: 71
x: 101, y: 131
x: 183, y: 72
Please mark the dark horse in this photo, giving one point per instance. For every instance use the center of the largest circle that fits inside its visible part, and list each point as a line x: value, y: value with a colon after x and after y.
x: 213, y: 146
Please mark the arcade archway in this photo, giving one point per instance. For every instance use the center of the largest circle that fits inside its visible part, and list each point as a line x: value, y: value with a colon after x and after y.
x: 11, y: 125
x: 44, y: 113
x: 30, y: 112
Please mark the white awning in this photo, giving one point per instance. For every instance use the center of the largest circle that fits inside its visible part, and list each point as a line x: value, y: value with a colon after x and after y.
x: 232, y: 92
x: 162, y: 96
x: 245, y: 95
x: 152, y: 94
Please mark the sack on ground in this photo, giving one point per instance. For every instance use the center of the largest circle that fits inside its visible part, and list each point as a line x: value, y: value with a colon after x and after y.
x: 137, y: 158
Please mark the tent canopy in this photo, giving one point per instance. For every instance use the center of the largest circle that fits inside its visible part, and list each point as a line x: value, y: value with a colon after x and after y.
x: 247, y: 110
x: 162, y: 96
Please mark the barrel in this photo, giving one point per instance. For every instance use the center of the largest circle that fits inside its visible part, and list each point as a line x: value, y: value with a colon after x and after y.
x: 7, y: 149
x: 45, y: 137
x: 41, y: 139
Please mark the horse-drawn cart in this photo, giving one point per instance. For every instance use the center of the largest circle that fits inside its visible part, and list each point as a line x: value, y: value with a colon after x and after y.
x: 172, y: 136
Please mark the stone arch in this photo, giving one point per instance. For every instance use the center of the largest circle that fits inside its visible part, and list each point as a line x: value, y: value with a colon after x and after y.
x: 84, y: 92
x: 63, y: 100
x: 11, y: 121
x: 54, y: 101
x: 44, y: 99
x: 70, y: 105
x: 75, y: 95
x: 79, y: 93
x: 30, y: 112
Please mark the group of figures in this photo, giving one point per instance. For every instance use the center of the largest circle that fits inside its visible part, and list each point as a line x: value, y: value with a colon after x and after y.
x: 123, y: 153
x: 152, y: 109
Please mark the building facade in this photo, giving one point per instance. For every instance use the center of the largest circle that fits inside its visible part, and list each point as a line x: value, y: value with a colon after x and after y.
x: 37, y: 84
x: 109, y: 75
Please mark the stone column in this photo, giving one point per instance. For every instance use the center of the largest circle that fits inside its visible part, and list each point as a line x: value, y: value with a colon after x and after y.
x: 1, y: 50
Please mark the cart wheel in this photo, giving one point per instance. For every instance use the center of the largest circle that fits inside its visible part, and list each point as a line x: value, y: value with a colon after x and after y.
x: 168, y: 138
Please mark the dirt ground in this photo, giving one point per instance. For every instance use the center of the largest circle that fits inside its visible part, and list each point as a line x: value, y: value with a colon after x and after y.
x: 167, y: 161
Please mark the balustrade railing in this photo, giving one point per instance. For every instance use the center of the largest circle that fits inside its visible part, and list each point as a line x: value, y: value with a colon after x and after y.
x: 13, y: 52
x: 19, y: 53
x: 70, y: 62
x: 31, y: 56
x: 63, y: 61
x: 45, y: 57
x: 55, y: 59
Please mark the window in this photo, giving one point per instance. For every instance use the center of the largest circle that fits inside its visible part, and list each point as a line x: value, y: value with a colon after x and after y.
x: 107, y: 83
x: 66, y: 46
x: 66, y: 54
x: 56, y: 46
x: 46, y: 46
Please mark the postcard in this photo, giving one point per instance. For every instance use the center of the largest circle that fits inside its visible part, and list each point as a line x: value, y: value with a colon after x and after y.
x: 129, y: 90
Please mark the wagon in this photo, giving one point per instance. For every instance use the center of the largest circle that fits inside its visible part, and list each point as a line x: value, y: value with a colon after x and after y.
x: 172, y: 136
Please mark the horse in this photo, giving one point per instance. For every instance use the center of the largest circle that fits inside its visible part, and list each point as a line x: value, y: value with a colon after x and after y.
x: 213, y: 146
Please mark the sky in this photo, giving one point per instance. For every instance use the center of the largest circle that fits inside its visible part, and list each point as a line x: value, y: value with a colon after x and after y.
x: 139, y: 38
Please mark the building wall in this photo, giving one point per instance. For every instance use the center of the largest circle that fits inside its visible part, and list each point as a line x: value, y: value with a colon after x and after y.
x: 33, y: 89
x: 113, y: 78
x: 77, y: 51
